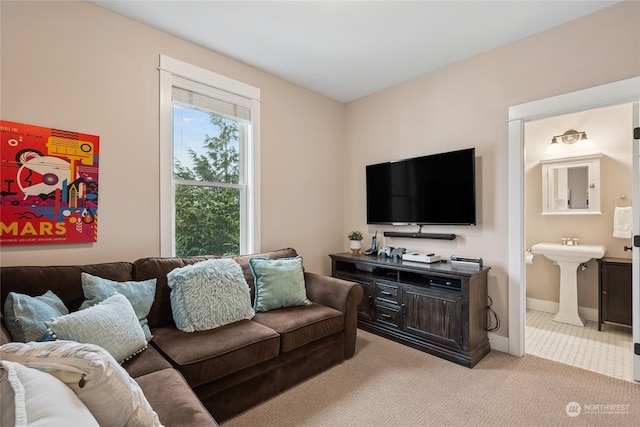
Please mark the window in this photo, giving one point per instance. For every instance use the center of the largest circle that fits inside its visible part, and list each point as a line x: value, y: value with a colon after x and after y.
x: 209, y: 149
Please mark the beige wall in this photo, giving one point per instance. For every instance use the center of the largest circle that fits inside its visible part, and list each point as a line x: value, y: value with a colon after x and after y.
x: 75, y: 66
x: 466, y: 105
x: 609, y: 132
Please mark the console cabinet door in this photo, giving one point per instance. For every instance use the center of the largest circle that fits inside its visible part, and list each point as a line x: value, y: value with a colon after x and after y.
x: 365, y: 308
x: 433, y: 315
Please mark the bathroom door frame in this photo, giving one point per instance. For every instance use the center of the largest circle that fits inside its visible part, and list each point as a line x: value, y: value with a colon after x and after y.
x: 635, y: 275
x: 620, y: 92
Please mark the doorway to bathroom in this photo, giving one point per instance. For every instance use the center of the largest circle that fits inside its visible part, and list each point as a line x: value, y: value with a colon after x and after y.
x: 626, y: 91
x: 580, y: 210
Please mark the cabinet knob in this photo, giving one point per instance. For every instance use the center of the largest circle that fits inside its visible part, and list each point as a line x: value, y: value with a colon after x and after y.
x: 604, y: 292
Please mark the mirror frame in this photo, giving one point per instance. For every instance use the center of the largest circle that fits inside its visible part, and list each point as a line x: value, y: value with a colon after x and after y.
x: 592, y: 162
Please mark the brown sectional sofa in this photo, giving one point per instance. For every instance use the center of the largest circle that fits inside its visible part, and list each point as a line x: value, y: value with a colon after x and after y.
x: 227, y: 369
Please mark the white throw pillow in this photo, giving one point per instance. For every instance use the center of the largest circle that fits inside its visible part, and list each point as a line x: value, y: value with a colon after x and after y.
x: 107, y: 390
x: 36, y: 399
x: 209, y: 294
x: 112, y: 324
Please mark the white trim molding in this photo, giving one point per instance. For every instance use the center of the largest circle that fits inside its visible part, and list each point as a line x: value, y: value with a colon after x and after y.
x: 171, y: 70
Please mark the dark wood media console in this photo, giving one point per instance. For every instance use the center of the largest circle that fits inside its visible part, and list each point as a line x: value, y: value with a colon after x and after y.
x: 437, y: 308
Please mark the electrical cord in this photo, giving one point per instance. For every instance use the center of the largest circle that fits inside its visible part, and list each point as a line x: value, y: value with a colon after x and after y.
x: 491, y: 313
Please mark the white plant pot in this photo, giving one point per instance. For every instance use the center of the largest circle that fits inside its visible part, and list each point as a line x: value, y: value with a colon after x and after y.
x: 355, y: 246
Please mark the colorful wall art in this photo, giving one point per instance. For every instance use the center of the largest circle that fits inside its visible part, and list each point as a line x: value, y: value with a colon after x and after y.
x: 49, y: 185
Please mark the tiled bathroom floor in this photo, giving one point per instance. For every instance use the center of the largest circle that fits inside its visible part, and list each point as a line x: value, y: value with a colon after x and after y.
x: 608, y: 352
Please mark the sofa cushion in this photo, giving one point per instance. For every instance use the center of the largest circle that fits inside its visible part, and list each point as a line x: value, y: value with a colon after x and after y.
x: 139, y: 294
x: 64, y: 280
x: 209, y: 294
x: 37, y: 399
x: 278, y: 283
x: 146, y: 362
x: 112, y: 396
x: 112, y: 324
x: 173, y: 399
x: 300, y: 325
x: 5, y: 336
x: 25, y: 315
x: 204, y: 356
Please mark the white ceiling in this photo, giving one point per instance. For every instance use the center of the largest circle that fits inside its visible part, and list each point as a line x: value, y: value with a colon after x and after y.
x: 349, y: 49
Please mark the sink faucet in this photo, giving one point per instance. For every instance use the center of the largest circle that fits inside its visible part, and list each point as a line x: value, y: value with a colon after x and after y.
x: 570, y: 241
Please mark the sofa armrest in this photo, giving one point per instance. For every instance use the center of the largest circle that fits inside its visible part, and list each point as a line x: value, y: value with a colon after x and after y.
x: 342, y: 295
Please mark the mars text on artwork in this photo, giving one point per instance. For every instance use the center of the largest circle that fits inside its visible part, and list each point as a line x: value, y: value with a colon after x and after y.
x: 49, y: 185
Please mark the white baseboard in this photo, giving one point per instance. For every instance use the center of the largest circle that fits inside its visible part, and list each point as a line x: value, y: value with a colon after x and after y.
x: 587, y: 313
x: 498, y: 342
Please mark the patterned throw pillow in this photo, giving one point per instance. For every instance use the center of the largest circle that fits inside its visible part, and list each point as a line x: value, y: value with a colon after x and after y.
x: 209, y: 294
x: 279, y: 283
x: 25, y: 315
x: 112, y: 324
x: 139, y: 294
x: 106, y: 389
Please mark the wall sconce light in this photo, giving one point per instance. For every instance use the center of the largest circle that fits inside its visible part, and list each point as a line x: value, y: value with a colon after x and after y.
x: 570, y: 136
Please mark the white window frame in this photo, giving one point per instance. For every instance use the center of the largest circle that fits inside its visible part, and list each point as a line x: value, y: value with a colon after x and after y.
x: 170, y: 70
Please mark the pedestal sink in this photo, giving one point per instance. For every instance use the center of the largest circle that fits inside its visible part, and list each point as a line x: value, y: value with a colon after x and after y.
x: 569, y: 257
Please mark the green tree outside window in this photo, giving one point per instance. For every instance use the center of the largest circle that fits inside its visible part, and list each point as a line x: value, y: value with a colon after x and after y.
x: 207, y: 216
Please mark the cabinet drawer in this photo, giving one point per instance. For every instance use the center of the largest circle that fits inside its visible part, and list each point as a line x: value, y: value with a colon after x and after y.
x: 387, y: 292
x: 388, y: 315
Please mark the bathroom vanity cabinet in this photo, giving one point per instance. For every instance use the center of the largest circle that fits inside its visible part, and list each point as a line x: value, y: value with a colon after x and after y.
x: 614, y: 291
x: 437, y: 308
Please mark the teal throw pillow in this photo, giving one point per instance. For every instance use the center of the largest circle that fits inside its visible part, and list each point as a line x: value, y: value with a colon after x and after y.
x: 139, y: 294
x: 279, y: 283
x: 111, y: 324
x: 25, y: 315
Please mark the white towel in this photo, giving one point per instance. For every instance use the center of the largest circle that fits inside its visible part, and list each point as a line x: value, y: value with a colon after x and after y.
x: 622, y: 222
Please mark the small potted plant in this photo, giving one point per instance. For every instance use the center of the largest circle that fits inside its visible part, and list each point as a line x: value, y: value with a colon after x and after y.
x: 355, y: 239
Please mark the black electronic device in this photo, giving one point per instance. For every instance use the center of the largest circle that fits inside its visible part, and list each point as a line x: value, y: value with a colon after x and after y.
x: 427, y: 190
x: 374, y: 245
x: 441, y: 282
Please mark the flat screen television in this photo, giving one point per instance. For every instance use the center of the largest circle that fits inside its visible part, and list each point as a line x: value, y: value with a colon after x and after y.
x: 438, y: 189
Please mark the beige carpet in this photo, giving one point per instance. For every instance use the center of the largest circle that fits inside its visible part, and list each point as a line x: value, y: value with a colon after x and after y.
x: 388, y: 384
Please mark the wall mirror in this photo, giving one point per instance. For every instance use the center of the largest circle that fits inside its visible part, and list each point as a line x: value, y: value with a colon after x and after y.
x: 571, y: 185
